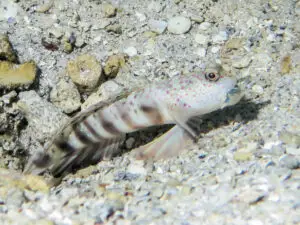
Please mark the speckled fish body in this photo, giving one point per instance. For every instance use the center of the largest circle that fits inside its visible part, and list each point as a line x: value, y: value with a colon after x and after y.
x: 96, y: 133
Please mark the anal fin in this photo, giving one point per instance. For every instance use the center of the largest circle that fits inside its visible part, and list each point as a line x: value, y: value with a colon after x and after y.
x: 168, y: 145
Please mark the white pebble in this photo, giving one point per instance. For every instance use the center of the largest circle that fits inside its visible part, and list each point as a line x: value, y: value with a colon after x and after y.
x: 65, y: 96
x: 141, y: 17
x: 129, y: 143
x: 30, y: 214
x: 179, y: 25
x: 257, y: 89
x: 10, y: 10
x: 242, y: 62
x: 220, y: 37
x: 201, y: 39
x: 293, y: 150
x: 201, y: 52
x: 271, y: 37
x: 57, y: 32
x: 149, y: 47
x: 215, y: 49
x: 199, y: 213
x: 130, y: 51
x: 137, y: 167
x: 297, y: 8
x: 97, y: 39
x: 157, y: 26
x: 204, y: 26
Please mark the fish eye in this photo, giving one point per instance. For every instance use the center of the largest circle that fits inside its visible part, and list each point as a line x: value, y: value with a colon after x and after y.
x: 212, y: 76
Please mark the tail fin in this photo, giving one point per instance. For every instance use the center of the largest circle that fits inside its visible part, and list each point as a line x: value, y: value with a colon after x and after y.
x: 89, y: 155
x: 37, y: 163
x: 60, y: 162
x: 61, y: 155
x: 167, y: 145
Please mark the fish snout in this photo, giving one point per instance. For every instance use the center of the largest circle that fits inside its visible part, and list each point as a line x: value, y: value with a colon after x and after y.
x: 233, y: 96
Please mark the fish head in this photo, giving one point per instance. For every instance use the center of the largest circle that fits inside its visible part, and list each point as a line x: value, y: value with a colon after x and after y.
x: 214, y: 91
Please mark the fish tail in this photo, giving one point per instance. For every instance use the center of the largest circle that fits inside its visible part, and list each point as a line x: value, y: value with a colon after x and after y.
x: 167, y: 145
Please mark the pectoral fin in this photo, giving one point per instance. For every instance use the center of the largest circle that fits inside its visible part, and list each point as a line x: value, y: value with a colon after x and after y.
x: 190, y: 126
x: 167, y: 145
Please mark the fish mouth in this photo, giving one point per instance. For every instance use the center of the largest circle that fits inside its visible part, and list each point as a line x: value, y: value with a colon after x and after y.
x: 233, y: 96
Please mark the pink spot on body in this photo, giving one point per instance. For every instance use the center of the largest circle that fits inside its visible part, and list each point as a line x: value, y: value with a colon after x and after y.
x: 199, y: 77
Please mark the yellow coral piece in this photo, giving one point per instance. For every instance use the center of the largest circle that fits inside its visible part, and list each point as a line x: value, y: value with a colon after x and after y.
x: 6, y: 51
x: 113, y: 65
x: 85, y: 71
x: 36, y: 183
x: 13, y: 75
x: 242, y: 156
x: 45, y: 7
x: 68, y: 47
x: 235, y: 43
x: 12, y: 179
x: 286, y: 65
x: 150, y: 34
